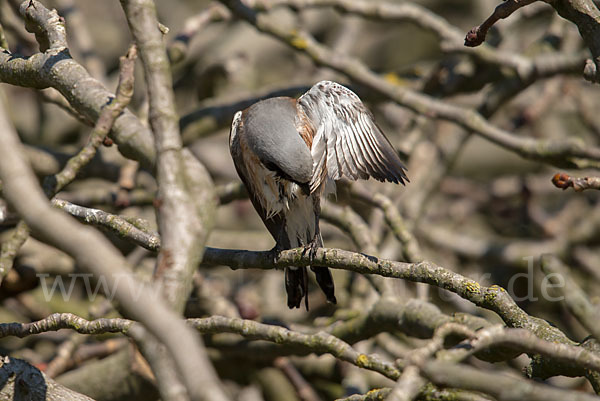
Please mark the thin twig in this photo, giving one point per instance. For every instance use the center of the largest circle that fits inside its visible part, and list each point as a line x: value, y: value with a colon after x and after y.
x: 410, y: 246
x: 476, y: 36
x: 564, y: 181
x: 109, y: 114
x: 118, y: 225
x: 178, y: 48
x: 10, y: 248
x: 575, y: 298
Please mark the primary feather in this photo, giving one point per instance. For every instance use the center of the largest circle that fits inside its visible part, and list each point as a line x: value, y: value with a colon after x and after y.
x: 348, y: 142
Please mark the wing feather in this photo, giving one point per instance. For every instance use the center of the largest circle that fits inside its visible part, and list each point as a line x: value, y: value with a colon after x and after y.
x: 357, y: 156
x: 366, y: 150
x: 380, y: 160
x: 348, y: 142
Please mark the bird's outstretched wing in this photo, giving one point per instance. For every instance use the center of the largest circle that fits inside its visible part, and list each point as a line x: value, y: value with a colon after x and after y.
x: 347, y: 142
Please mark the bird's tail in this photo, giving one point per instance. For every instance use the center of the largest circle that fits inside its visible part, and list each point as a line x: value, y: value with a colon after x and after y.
x: 296, y: 282
x: 296, y: 286
x: 323, y: 276
x: 325, y: 281
x: 302, y: 229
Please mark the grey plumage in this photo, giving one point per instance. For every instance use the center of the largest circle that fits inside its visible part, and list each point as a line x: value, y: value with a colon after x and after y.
x: 289, y: 153
x: 272, y: 135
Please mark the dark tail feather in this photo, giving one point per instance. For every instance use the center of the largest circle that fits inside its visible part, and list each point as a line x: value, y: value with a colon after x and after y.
x: 325, y: 281
x: 296, y: 286
x: 322, y: 274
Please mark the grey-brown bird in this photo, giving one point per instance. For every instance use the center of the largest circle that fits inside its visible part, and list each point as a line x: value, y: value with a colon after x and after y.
x: 289, y: 153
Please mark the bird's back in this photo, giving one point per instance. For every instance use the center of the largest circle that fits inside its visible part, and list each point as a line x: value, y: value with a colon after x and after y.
x: 271, y: 133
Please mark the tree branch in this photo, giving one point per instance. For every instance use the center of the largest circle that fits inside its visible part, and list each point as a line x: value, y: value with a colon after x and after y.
x: 55, y: 68
x: 178, y: 48
x: 583, y: 13
x: 476, y: 36
x: 58, y: 181
x: 451, y: 37
x: 110, y: 112
x: 186, y: 197
x: 118, y: 225
x: 493, y: 298
x: 320, y: 343
x: 569, y: 152
x: 501, y: 387
x: 93, y: 253
x: 410, y: 246
x: 575, y: 298
x: 564, y: 181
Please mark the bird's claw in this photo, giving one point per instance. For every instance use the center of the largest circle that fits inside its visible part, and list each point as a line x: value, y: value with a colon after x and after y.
x: 311, y: 248
x: 275, y: 252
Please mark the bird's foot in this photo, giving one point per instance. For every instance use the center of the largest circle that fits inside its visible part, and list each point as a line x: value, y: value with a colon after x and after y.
x: 275, y: 252
x: 311, y: 248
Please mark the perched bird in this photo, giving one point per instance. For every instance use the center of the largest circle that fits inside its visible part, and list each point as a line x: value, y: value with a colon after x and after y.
x: 289, y: 153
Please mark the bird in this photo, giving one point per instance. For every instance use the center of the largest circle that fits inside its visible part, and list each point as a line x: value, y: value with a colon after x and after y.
x: 289, y: 153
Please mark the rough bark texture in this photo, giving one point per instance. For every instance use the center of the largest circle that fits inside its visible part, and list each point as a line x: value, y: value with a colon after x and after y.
x: 19, y: 381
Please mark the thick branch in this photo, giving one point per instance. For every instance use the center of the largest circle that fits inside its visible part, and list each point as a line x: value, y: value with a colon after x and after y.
x: 186, y: 201
x: 56, y: 182
x: 186, y: 198
x: 493, y: 298
x: 55, y: 68
x: 93, y: 253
